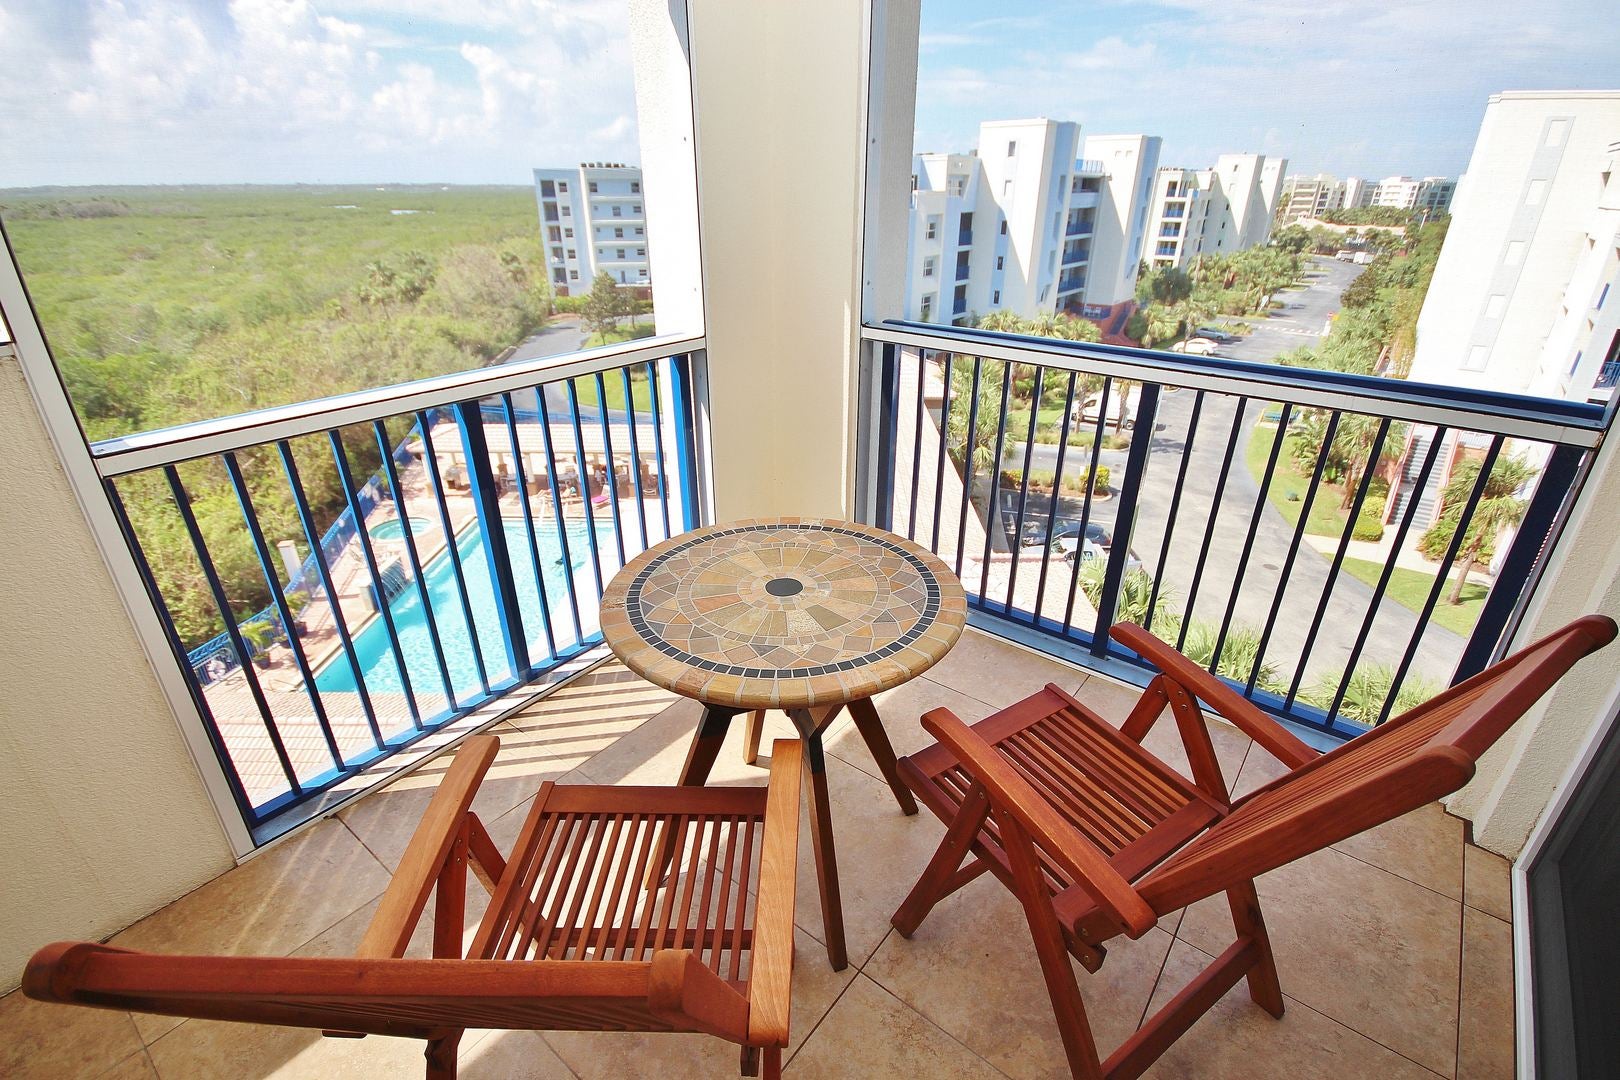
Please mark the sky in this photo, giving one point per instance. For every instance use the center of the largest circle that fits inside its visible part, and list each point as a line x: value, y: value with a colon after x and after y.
x: 482, y: 91
x: 337, y: 91
x: 1367, y: 88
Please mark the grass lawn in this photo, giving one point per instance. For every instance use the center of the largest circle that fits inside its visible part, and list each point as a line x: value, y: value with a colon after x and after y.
x: 1288, y: 484
x: 1410, y: 589
x: 640, y: 394
x: 1048, y: 424
x: 620, y: 333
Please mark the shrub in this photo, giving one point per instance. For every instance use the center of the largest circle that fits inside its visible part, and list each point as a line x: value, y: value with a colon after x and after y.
x: 1367, y: 691
x: 1238, y: 652
x: 1103, y: 476
x: 1368, y: 526
x: 1434, y: 542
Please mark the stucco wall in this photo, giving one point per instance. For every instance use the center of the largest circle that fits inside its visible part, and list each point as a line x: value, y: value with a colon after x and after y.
x: 103, y: 818
x: 777, y: 102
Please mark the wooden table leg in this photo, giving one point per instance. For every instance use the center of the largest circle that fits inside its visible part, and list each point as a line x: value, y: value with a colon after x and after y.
x: 870, y: 725
x: 756, y: 728
x: 707, y: 740
x: 821, y: 838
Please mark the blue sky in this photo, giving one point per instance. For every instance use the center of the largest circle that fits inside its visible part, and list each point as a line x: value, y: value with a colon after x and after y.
x: 1353, y: 87
x: 480, y: 91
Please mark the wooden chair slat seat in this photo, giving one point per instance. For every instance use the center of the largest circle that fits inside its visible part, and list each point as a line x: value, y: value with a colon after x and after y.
x: 1097, y: 837
x: 580, y: 932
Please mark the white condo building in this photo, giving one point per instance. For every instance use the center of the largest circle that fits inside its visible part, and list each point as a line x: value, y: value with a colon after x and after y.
x: 1432, y: 193
x: 1523, y: 298
x: 1213, y: 211
x: 592, y: 221
x: 1312, y: 196
x: 1036, y: 220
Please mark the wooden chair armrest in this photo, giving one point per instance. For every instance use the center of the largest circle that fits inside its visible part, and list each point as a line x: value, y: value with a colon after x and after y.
x: 1276, y: 739
x: 770, y: 974
x: 1065, y: 844
x: 391, y: 927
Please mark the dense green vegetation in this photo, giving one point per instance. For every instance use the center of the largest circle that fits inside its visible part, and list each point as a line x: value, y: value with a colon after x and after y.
x: 171, y: 304
x: 1174, y: 302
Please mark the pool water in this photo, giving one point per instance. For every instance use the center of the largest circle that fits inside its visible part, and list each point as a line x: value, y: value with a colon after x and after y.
x: 376, y: 657
x: 390, y: 529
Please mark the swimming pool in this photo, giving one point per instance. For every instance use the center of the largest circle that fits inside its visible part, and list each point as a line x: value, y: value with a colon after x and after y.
x: 376, y: 657
x: 390, y: 529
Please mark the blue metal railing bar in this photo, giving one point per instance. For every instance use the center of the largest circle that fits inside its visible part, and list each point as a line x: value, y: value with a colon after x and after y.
x: 1175, y: 507
x: 995, y: 477
x: 1209, y: 526
x: 582, y: 473
x: 1119, y: 553
x: 521, y: 478
x: 430, y: 462
x: 1090, y: 489
x: 261, y: 550
x: 557, y: 506
x: 486, y: 497
x: 1057, y: 494
x: 1260, y: 502
x: 635, y: 455
x: 1023, y: 488
x: 611, y: 480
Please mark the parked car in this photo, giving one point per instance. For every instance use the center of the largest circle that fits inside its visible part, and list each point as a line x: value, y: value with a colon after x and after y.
x: 1345, y: 255
x: 1196, y: 346
x: 1215, y: 334
x: 1120, y: 407
x: 1092, y: 551
x: 1035, y: 534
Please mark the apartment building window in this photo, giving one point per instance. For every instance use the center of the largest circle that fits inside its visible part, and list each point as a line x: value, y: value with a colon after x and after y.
x: 571, y: 254
x: 618, y: 234
x: 640, y: 231
x: 1577, y: 362
x: 932, y: 231
x: 642, y: 272
x: 635, y: 189
x: 620, y: 254
x: 568, y: 234
x: 641, y: 253
x: 573, y: 275
x: 1012, y: 148
x: 593, y: 187
x: 958, y: 185
x: 618, y: 211
x: 636, y: 209
x: 562, y: 186
x: 556, y: 253
x: 929, y: 265
x: 1006, y: 188
x: 1000, y: 262
x: 1003, y: 226
x: 553, y: 233
x: 1604, y: 295
x: 995, y: 297
x: 927, y: 307
x: 567, y: 212
x: 548, y: 189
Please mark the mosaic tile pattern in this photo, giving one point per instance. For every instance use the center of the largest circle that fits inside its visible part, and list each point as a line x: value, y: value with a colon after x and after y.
x: 783, y: 612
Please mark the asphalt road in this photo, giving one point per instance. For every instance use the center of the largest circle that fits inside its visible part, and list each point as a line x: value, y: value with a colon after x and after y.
x: 1209, y: 549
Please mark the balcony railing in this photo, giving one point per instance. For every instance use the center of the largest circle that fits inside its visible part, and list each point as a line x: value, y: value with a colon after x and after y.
x: 961, y: 271
x: 964, y: 237
x: 1080, y: 228
x: 1608, y: 375
x: 401, y: 557
x: 1234, y: 509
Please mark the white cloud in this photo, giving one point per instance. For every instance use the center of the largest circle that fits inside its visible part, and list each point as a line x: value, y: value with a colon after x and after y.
x: 288, y: 90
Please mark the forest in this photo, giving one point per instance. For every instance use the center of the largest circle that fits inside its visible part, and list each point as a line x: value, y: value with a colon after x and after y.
x: 164, y: 305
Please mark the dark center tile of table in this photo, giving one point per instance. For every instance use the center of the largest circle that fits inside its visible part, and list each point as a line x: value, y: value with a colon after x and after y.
x: 784, y: 586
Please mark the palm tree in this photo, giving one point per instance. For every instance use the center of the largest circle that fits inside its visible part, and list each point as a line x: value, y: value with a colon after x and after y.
x: 1499, y: 508
x: 1004, y: 320
x: 1163, y: 323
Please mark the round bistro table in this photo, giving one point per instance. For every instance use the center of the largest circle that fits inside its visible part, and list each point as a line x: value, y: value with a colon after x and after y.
x: 807, y: 615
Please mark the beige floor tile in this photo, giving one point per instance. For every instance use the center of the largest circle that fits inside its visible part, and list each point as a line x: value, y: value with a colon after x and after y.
x: 591, y: 713
x: 39, y: 1039
x: 1487, y: 882
x: 971, y: 969
x: 135, y: 1067
x: 268, y: 906
x: 901, y: 710
x: 1424, y: 846
x: 871, y: 1033
x: 1259, y: 769
x: 1239, y: 1040
x: 592, y: 1054
x: 997, y: 673
x: 880, y: 852
x: 385, y: 820
x: 1485, y: 1034
x: 654, y: 751
x: 213, y: 1048
x: 1363, y: 946
x: 511, y: 1055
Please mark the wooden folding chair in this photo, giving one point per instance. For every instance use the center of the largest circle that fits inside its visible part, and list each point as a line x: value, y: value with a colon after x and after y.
x: 1097, y: 837
x: 571, y: 939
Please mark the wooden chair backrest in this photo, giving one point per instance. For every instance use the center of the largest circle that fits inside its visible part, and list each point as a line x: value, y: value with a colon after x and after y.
x: 1406, y: 763
x: 403, y: 997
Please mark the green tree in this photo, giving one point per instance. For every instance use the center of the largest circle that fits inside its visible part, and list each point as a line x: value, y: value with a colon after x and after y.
x: 603, y: 306
x: 398, y: 280
x: 1293, y: 239
x: 1499, y: 508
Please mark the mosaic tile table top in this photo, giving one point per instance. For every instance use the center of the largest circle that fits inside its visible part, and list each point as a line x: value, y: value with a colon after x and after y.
x: 783, y: 613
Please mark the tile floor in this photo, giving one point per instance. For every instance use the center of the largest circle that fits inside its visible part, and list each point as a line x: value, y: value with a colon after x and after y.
x: 1393, y: 948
